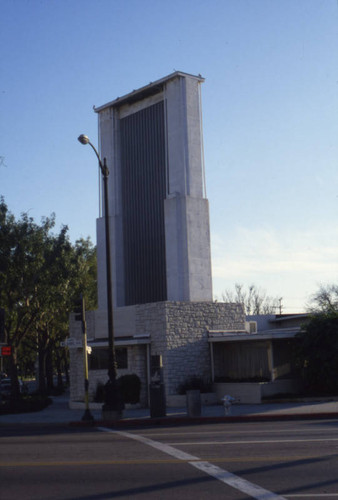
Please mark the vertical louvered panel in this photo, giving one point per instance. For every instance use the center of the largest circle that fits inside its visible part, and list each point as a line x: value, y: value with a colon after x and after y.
x: 143, y: 193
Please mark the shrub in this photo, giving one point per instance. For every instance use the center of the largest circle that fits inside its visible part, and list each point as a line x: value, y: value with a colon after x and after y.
x: 25, y: 404
x: 130, y: 388
x: 99, y: 393
x: 57, y: 391
x: 240, y: 380
x: 318, y: 353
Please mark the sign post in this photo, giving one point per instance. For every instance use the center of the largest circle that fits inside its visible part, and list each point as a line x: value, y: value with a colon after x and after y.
x: 80, y: 315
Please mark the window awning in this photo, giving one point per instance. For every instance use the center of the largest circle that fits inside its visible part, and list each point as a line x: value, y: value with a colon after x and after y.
x: 121, y: 341
x: 240, y: 336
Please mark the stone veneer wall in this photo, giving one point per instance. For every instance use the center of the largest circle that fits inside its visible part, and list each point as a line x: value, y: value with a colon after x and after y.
x: 137, y: 360
x: 178, y: 331
x: 136, y: 364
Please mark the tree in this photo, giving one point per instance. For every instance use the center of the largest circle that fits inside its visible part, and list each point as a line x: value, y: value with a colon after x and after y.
x: 317, y: 346
x: 325, y: 299
x: 41, y: 274
x: 318, y: 352
x: 70, y: 270
x: 255, y: 300
x: 21, y: 261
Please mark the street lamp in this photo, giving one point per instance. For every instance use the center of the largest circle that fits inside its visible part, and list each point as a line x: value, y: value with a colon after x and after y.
x: 113, y: 404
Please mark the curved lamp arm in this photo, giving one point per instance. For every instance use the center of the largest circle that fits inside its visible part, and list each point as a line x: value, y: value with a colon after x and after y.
x: 84, y: 139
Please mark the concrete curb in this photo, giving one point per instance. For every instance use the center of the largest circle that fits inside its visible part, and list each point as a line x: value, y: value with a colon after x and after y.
x: 168, y: 421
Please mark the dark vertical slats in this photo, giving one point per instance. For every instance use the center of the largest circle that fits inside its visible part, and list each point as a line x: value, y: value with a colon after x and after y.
x: 143, y: 192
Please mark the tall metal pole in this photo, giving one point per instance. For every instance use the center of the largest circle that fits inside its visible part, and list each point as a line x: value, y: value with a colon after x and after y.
x: 113, y: 401
x: 112, y: 362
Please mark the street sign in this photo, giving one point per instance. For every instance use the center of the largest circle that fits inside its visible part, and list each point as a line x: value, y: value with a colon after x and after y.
x: 70, y: 342
x: 6, y: 350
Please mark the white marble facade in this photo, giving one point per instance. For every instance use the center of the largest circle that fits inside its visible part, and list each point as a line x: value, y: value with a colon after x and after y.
x: 177, y: 326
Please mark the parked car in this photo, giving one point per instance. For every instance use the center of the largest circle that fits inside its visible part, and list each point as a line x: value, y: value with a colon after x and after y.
x: 6, y: 387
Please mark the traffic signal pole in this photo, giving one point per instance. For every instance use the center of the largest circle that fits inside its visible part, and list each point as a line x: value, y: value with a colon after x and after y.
x: 81, y: 316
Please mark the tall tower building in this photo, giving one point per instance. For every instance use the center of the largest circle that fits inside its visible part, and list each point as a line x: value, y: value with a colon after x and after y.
x: 159, y: 215
x: 160, y: 245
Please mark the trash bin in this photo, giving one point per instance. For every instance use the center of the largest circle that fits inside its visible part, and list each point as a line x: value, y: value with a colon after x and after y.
x: 193, y: 403
x: 157, y: 400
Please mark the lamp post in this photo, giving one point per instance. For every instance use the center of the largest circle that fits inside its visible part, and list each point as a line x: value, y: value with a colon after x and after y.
x: 113, y: 404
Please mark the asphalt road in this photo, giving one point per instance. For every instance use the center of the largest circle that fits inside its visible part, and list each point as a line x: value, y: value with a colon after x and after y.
x: 235, y: 461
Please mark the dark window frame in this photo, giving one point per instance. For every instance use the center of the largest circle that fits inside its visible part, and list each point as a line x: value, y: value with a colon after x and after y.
x: 98, y: 359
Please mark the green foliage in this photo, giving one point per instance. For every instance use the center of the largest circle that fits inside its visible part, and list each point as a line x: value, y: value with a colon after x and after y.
x: 129, y: 385
x: 194, y: 383
x: 26, y: 404
x: 99, y: 396
x: 318, y: 353
x: 41, y: 276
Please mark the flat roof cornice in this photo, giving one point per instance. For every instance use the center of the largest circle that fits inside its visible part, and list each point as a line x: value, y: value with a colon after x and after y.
x: 146, y: 91
x: 228, y: 336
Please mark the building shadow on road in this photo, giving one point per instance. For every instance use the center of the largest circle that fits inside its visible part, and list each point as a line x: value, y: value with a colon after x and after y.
x: 159, y: 487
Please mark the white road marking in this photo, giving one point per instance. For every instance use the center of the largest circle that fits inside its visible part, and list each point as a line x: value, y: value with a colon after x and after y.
x: 226, y: 477
x: 313, y: 495
x: 261, y: 441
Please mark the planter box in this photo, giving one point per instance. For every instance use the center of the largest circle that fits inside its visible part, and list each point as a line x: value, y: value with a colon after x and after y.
x: 287, y: 386
x: 253, y: 392
x: 180, y: 400
x: 80, y: 405
x: 246, y: 392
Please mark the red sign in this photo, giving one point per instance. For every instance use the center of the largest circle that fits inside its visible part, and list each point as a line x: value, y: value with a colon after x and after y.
x: 6, y: 350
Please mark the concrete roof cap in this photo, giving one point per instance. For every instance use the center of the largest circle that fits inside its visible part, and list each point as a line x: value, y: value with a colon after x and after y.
x: 148, y: 90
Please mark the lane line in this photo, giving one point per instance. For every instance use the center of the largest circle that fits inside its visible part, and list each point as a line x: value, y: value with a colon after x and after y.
x: 89, y: 462
x: 312, y: 495
x: 222, y: 475
x: 232, y: 432
x: 142, y: 461
x: 267, y: 441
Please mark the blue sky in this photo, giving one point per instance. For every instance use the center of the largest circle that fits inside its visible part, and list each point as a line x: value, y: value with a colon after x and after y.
x: 270, y: 120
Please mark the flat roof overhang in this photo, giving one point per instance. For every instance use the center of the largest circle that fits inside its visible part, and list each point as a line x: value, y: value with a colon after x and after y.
x: 287, y: 317
x: 121, y: 341
x: 241, y: 336
x: 148, y: 90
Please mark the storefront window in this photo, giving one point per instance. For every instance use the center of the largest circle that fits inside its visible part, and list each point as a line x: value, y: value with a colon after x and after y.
x: 98, y: 359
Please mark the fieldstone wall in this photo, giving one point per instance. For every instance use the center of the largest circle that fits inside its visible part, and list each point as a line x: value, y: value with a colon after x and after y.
x: 137, y: 363
x: 178, y: 332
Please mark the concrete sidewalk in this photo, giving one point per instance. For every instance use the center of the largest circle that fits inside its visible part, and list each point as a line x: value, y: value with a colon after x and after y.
x: 60, y: 413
